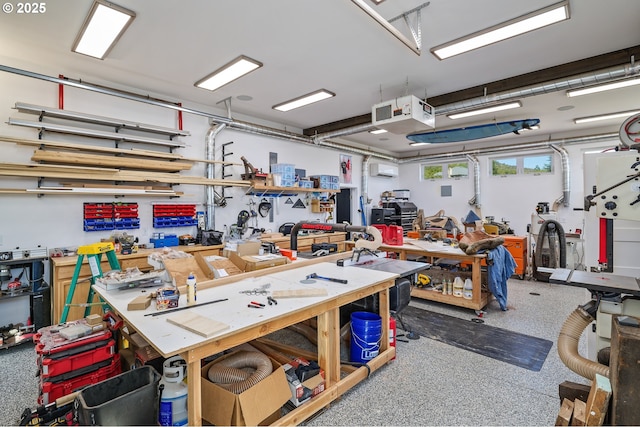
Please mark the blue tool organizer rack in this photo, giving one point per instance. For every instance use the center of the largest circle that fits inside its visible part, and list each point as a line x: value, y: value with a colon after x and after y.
x: 174, y: 215
x: 110, y: 216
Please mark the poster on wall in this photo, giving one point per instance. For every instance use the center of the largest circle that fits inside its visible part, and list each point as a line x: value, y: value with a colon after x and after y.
x: 345, y: 169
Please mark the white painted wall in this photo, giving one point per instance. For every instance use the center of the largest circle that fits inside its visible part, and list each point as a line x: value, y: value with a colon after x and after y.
x: 56, y: 221
x: 512, y: 198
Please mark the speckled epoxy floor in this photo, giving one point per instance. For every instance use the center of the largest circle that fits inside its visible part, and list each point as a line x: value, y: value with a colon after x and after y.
x: 430, y: 383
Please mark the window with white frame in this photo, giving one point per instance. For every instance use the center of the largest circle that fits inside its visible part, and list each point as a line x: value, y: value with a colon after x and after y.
x: 529, y: 164
x: 446, y: 170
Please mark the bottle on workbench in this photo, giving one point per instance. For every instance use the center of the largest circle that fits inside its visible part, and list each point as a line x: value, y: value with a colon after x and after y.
x: 457, y: 287
x: 467, y: 289
x: 449, y: 287
x: 191, y: 289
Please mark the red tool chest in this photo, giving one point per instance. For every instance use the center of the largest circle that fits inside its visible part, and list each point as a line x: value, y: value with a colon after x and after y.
x: 66, y: 365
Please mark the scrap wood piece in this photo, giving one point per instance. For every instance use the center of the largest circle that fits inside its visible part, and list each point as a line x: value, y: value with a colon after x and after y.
x: 564, y: 416
x: 198, y: 324
x: 598, y: 401
x: 298, y: 293
x: 579, y: 413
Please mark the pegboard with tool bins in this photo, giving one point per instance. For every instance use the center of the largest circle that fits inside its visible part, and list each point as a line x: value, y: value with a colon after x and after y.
x: 174, y: 215
x: 110, y: 216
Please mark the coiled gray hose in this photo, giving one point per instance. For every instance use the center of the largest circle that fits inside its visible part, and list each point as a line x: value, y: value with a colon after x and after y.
x: 240, y: 371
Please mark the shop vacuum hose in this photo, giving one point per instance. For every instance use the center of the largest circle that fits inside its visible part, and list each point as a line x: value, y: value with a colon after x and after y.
x: 568, y: 340
x: 240, y: 371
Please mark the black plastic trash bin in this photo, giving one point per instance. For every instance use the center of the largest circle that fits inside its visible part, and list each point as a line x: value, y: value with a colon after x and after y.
x: 130, y: 398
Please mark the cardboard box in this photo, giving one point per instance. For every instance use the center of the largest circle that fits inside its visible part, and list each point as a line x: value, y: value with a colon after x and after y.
x: 257, y: 262
x: 221, y: 266
x: 259, y: 404
x: 179, y: 269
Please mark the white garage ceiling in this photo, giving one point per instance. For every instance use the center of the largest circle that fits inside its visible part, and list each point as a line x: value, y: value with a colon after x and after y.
x: 307, y: 45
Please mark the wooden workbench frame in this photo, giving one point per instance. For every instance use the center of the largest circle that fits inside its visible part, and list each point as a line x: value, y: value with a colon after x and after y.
x: 327, y: 312
x: 479, y: 300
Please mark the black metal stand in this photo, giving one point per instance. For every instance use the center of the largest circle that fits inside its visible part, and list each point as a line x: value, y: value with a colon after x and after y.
x: 410, y: 334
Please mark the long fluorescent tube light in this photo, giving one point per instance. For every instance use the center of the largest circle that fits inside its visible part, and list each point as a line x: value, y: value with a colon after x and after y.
x: 491, y: 109
x: 605, y: 117
x: 603, y: 87
x: 377, y: 131
x: 103, y: 27
x: 514, y: 27
x: 229, y: 72
x: 303, y: 100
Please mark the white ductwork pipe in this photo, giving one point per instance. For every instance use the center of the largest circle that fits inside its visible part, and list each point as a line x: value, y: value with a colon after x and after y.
x: 566, y: 178
x: 475, y: 200
x: 211, y: 196
x: 579, y: 81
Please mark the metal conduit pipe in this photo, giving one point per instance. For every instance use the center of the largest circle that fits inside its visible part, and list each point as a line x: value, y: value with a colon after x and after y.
x: 211, y: 195
x: 113, y: 92
x: 475, y: 200
x: 566, y: 177
x: 582, y: 80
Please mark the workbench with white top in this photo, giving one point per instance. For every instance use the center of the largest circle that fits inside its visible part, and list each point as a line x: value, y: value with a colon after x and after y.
x: 438, y: 250
x: 239, y: 323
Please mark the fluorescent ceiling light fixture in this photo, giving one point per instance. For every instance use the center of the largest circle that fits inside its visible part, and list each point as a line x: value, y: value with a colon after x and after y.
x: 605, y: 116
x: 603, y: 87
x: 417, y: 144
x: 102, y: 28
x: 514, y: 27
x: 229, y: 72
x: 491, y: 109
x: 377, y: 131
x: 303, y: 100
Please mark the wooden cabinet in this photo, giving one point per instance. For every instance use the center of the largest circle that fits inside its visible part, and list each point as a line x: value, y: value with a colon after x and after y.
x: 62, y: 272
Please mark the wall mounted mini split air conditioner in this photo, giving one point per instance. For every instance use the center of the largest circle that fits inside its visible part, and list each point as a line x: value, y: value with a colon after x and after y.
x: 403, y: 115
x: 383, y: 169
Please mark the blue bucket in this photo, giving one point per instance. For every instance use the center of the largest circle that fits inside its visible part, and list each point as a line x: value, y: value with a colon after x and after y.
x: 366, y: 332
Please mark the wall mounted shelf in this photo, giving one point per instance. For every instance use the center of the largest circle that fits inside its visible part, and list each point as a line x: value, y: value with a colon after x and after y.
x: 99, y: 120
x: 113, y: 136
x: 272, y: 191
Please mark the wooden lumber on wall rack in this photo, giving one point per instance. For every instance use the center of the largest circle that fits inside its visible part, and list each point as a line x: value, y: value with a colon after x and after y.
x: 67, y: 158
x: 98, y: 149
x: 90, y: 191
x: 107, y: 174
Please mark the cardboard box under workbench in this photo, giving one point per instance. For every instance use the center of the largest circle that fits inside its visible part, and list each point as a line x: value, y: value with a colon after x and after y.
x: 255, y: 406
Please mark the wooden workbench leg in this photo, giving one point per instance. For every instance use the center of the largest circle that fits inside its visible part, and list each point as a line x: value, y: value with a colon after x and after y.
x: 329, y: 345
x: 477, y: 283
x: 383, y: 297
x: 194, y: 399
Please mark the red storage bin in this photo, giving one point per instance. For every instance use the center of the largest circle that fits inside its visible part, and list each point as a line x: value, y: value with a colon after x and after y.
x: 50, y: 391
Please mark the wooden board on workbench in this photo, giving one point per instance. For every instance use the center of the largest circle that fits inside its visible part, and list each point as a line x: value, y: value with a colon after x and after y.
x: 298, y: 293
x: 196, y: 323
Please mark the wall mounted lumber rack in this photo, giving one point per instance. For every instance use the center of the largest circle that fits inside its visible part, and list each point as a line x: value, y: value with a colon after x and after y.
x: 99, y: 149
x: 99, y: 120
x: 112, y: 136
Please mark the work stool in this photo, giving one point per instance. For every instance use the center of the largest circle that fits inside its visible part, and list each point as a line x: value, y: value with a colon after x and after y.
x: 93, y: 253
